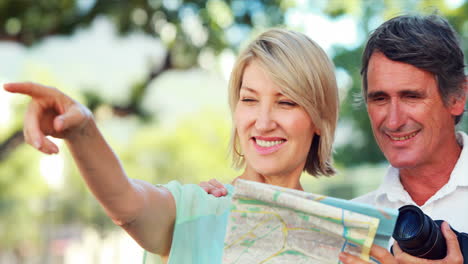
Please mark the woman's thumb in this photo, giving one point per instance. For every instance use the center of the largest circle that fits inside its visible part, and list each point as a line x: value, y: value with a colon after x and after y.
x: 73, y: 117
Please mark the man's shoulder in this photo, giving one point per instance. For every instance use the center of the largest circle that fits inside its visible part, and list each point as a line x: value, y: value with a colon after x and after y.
x: 368, y: 198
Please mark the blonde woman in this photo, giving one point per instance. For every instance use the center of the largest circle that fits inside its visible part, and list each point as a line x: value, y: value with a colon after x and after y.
x: 284, y: 103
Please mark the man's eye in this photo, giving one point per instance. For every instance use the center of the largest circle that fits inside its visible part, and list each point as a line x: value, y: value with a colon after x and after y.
x: 377, y: 99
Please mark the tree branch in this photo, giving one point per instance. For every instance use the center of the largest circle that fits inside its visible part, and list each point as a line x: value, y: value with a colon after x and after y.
x: 10, y: 144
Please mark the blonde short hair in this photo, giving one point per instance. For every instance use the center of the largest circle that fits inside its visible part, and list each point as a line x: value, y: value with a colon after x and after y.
x: 306, y: 75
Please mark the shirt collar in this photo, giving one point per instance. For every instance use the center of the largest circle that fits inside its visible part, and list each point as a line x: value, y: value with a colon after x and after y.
x: 392, y: 188
x: 459, y: 176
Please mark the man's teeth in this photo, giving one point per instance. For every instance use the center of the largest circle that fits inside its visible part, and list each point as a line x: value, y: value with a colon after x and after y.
x: 266, y: 144
x: 405, y: 137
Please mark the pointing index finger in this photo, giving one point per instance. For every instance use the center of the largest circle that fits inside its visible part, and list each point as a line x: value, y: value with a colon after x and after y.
x: 27, y: 88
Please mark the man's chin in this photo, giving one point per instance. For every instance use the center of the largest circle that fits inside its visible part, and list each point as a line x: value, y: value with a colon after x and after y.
x: 401, y: 160
x: 402, y: 163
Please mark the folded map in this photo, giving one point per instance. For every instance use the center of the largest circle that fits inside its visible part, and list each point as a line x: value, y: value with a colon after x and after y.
x: 271, y: 224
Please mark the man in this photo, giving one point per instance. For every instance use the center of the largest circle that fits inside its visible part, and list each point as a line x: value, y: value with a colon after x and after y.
x: 415, y: 90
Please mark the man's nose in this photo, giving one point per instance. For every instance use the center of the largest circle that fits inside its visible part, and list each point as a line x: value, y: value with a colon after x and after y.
x: 395, y: 116
x: 265, y: 120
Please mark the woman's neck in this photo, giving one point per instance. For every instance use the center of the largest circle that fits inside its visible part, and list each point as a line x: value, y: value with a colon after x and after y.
x: 288, y: 181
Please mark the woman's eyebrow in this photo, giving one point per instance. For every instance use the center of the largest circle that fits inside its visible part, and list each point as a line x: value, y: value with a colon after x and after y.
x: 243, y: 87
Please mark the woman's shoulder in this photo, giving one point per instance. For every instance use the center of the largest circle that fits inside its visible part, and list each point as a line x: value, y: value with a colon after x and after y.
x: 193, y: 202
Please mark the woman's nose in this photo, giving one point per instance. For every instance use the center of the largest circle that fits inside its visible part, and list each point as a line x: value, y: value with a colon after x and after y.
x: 265, y: 120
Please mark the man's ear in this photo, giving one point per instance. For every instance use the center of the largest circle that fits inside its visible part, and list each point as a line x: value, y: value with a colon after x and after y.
x: 457, y: 103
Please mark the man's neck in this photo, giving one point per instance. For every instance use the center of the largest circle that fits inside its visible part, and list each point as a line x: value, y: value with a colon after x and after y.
x: 422, y: 182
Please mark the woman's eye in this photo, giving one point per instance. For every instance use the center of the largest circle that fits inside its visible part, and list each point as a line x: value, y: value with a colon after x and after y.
x: 248, y: 100
x: 287, y: 103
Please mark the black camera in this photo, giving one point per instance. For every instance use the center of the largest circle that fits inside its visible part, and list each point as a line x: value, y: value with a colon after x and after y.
x: 420, y: 236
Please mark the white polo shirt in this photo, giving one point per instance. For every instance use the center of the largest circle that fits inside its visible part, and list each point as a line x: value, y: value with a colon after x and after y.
x: 450, y: 203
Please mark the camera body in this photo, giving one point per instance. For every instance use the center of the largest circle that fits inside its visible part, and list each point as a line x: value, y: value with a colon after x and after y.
x: 420, y: 236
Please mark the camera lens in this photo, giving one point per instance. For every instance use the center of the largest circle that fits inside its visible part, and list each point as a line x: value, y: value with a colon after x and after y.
x: 418, y: 235
x: 409, y: 224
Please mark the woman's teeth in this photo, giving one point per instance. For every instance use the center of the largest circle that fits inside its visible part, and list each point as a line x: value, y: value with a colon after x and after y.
x: 266, y: 144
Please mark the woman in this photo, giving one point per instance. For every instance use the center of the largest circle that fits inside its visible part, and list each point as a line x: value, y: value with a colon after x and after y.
x: 284, y: 102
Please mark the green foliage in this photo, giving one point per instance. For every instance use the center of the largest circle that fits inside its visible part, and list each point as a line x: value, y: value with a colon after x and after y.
x: 353, y: 110
x: 30, y: 21
x: 21, y: 187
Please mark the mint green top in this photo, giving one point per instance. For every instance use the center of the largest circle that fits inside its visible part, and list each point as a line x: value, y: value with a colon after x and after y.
x: 200, y: 226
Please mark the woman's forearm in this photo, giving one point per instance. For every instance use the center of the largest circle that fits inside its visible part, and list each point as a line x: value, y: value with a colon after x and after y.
x: 103, y: 172
x: 147, y: 213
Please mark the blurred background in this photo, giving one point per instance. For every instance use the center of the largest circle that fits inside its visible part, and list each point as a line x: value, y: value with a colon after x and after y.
x: 154, y: 72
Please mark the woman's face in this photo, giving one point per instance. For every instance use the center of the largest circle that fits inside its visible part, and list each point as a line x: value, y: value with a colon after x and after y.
x: 274, y: 132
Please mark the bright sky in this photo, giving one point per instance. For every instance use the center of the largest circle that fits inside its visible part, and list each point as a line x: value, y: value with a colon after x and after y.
x: 325, y: 31
x: 454, y: 3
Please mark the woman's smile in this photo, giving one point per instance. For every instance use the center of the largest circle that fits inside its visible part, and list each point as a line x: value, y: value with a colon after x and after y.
x: 265, y: 145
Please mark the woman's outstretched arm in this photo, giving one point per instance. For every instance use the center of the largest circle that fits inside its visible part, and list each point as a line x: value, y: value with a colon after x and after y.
x: 146, y: 212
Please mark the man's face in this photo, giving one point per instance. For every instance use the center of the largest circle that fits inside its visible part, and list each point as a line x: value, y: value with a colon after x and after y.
x: 411, y: 125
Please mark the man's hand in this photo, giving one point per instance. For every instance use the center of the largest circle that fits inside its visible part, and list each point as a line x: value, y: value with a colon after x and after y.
x: 454, y: 255
x: 214, y: 187
x: 50, y: 112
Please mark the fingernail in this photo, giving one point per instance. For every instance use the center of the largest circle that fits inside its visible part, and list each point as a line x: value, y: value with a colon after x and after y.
x: 446, y: 226
x: 59, y: 122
